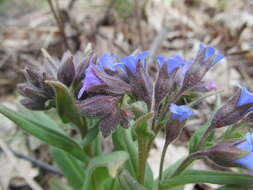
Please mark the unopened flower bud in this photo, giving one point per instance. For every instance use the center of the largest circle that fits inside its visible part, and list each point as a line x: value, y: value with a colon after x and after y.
x: 166, y: 78
x: 97, y: 106
x: 66, y: 71
x: 105, y: 108
x: 35, y: 90
x: 141, y: 84
x: 34, y: 104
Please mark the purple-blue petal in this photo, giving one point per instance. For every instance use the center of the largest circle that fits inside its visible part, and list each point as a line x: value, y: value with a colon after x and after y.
x: 247, y: 145
x: 218, y: 58
x: 142, y: 56
x: 246, y: 96
x: 160, y: 60
x: 107, y: 61
x: 90, y: 80
x: 130, y: 62
x: 181, y: 112
x: 174, y: 62
x: 210, y: 51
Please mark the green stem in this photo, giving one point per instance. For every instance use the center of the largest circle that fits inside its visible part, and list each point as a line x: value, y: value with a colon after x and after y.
x: 187, y: 161
x: 88, y: 150
x: 203, y: 138
x: 165, y: 146
x: 142, y: 159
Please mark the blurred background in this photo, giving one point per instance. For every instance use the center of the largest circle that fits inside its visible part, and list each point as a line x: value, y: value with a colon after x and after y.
x: 166, y: 27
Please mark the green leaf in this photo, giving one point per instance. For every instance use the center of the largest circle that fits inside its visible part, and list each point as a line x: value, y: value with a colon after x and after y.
x: 112, y: 162
x: 191, y: 104
x: 111, y: 184
x: 149, y: 178
x: 39, y: 117
x: 214, y: 177
x: 196, y: 137
x: 57, y: 185
x: 45, y: 134
x: 141, y: 126
x: 66, y: 108
x: 90, y: 136
x: 170, y: 170
x: 235, y: 187
x: 97, y: 145
x: 127, y: 182
x: 70, y: 166
x: 123, y: 140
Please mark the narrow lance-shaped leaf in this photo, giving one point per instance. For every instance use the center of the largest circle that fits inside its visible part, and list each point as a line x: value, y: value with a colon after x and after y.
x: 214, y: 177
x: 45, y: 134
x: 70, y: 167
x: 196, y: 137
x: 127, y: 182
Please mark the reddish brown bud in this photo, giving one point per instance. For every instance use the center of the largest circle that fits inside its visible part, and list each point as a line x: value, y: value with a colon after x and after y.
x: 141, y: 84
x: 97, y: 106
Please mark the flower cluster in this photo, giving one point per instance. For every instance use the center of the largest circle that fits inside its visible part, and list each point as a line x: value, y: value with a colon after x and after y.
x: 110, y: 88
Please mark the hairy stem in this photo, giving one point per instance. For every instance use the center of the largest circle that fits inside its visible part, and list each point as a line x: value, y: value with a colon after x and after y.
x: 187, y: 161
x: 142, y: 159
x: 165, y: 146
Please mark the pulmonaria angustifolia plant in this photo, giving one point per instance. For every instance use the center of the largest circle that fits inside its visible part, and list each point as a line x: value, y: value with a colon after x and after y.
x: 114, y: 97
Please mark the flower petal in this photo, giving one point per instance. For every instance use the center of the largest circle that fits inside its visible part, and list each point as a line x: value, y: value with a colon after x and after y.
x: 247, y: 161
x: 181, y: 112
x: 107, y: 61
x: 246, y: 96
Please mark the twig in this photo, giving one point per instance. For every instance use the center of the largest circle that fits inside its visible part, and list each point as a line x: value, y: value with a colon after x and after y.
x: 71, y: 4
x: 158, y: 41
x: 138, y: 22
x: 107, y: 13
x: 59, y: 23
x: 38, y: 163
x: 13, y: 163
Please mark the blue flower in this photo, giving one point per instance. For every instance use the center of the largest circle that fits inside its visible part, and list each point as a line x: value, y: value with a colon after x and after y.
x: 131, y: 61
x: 247, y: 145
x: 173, y: 62
x: 246, y: 97
x: 90, y: 80
x: 105, y: 61
x: 210, y: 51
x: 180, y: 112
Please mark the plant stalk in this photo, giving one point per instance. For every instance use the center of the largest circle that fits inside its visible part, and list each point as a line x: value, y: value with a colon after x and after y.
x: 187, y: 161
x: 142, y: 160
x: 165, y: 147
